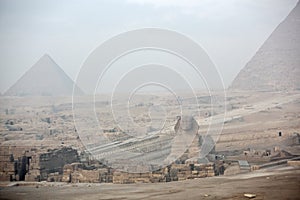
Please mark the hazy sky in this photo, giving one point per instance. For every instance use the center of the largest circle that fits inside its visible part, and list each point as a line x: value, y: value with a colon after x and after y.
x: 229, y: 30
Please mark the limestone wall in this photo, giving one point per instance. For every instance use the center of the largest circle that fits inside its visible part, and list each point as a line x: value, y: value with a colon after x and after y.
x: 75, y: 173
x: 7, y: 166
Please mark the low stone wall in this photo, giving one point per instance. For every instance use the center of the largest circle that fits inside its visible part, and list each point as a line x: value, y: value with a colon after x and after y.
x: 74, y: 173
x: 124, y: 178
x: 191, y: 171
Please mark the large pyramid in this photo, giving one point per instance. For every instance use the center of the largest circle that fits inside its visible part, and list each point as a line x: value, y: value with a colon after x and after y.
x: 276, y: 65
x: 45, y: 78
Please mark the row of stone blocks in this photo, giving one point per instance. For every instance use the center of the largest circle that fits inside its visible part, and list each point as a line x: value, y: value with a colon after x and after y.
x: 74, y: 173
x: 7, y: 165
x: 31, y: 165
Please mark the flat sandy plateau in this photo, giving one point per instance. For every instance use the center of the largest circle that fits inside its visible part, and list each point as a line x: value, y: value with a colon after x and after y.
x: 281, y: 182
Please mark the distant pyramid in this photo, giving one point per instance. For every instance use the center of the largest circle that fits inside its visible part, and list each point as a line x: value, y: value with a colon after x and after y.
x: 45, y: 78
x: 276, y: 65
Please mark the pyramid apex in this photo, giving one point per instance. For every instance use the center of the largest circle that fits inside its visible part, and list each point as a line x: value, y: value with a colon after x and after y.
x: 46, y: 58
x: 46, y: 55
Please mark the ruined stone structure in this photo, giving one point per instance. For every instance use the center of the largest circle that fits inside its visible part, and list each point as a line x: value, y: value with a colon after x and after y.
x: 17, y: 164
x: 13, y: 163
x: 75, y: 173
x: 174, y: 172
x: 7, y: 165
x: 78, y: 173
x: 41, y: 165
x: 64, y: 164
x: 32, y: 165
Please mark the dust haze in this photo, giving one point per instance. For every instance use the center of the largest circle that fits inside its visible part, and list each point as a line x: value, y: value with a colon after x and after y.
x: 150, y: 100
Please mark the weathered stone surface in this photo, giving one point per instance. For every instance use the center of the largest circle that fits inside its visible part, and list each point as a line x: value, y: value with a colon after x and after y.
x: 74, y: 173
x: 276, y: 65
x: 54, y: 161
x: 7, y: 165
x: 29, y: 165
